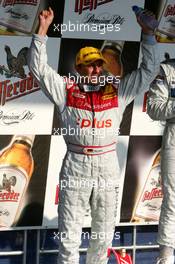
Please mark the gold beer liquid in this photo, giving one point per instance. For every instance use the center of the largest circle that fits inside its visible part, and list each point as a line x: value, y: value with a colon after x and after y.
x: 148, y: 205
x: 16, y: 168
x: 160, y: 37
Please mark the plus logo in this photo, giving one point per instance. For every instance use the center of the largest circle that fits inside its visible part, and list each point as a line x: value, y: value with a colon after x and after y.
x: 94, y: 123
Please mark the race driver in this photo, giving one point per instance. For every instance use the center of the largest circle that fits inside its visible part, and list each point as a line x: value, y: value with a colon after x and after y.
x: 94, y: 111
x: 161, y: 106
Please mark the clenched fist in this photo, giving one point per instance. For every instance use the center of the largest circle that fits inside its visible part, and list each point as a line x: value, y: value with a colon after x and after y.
x: 45, y: 19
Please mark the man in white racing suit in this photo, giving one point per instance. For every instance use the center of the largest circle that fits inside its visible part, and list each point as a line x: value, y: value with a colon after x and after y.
x: 94, y: 111
x: 161, y: 106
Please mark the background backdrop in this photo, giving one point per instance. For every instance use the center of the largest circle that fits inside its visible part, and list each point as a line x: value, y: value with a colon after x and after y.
x: 24, y: 109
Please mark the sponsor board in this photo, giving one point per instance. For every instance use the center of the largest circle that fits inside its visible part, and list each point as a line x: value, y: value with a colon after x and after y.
x: 22, y: 103
x: 101, y: 20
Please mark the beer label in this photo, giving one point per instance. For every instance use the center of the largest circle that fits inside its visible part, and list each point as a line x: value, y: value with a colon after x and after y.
x: 13, y: 182
x: 151, y: 198
x: 19, y: 14
x: 167, y: 19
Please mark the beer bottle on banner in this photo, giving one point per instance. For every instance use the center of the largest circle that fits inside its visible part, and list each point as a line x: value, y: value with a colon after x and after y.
x: 16, y: 168
x: 166, y: 15
x: 20, y: 15
x: 112, y: 51
x: 149, y: 202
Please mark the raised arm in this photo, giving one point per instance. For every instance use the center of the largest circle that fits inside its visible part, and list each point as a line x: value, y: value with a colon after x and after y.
x: 50, y: 81
x: 161, y: 97
x: 140, y: 79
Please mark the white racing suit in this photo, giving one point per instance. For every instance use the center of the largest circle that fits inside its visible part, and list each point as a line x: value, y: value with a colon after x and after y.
x: 90, y: 170
x: 161, y: 106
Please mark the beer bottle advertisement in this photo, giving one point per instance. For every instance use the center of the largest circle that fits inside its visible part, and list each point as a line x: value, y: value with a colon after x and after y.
x: 142, y: 191
x: 150, y: 199
x: 166, y: 15
x: 21, y: 17
x: 18, y: 169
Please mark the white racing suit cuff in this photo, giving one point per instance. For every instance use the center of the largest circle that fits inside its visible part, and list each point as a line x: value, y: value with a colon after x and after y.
x: 149, y: 39
x: 42, y: 39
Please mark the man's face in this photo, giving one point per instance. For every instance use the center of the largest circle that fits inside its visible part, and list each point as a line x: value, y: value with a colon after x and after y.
x: 92, y: 71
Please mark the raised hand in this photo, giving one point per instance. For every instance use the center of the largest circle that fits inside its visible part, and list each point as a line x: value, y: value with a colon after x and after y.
x: 145, y: 26
x: 146, y: 19
x: 45, y: 19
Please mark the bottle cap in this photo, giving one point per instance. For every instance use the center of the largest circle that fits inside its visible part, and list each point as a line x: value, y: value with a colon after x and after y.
x: 28, y: 138
x: 135, y: 8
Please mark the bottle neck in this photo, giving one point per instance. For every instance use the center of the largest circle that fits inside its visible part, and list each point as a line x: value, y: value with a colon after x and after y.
x: 23, y: 142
